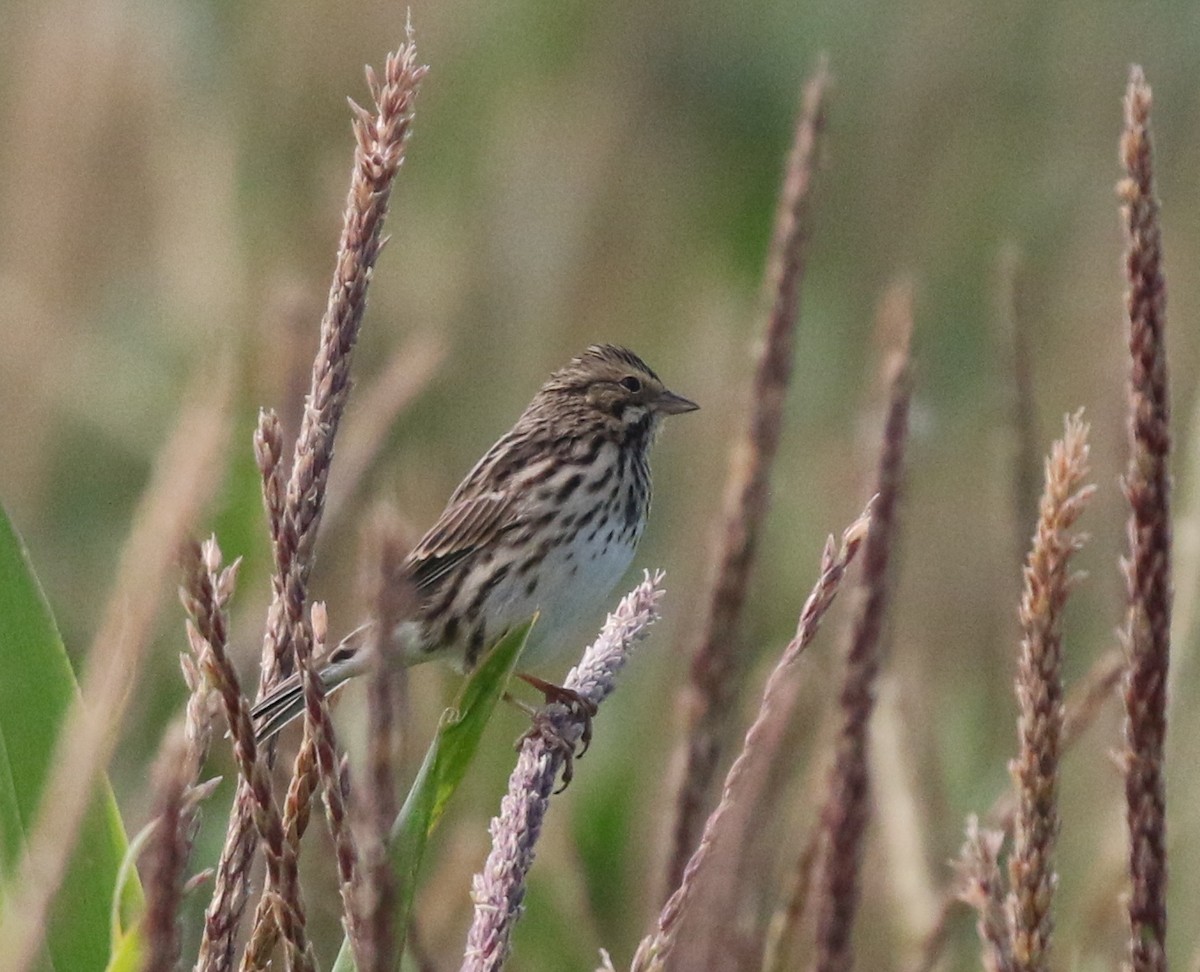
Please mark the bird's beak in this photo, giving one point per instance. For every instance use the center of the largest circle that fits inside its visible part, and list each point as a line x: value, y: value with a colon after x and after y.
x: 671, y: 404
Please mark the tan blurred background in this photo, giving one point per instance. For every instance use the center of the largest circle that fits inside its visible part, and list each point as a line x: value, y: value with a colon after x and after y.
x: 171, y: 182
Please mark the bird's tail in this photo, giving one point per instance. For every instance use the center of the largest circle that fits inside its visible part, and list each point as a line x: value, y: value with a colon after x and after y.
x: 285, y: 701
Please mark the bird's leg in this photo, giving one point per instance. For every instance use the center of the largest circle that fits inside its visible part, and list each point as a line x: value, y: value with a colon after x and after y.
x: 580, y: 708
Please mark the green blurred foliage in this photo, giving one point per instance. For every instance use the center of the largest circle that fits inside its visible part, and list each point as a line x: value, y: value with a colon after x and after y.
x: 171, y: 180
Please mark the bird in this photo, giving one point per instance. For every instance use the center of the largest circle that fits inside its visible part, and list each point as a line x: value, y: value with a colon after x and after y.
x: 546, y: 522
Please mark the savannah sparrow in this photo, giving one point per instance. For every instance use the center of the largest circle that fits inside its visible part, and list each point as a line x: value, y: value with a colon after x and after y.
x: 547, y: 521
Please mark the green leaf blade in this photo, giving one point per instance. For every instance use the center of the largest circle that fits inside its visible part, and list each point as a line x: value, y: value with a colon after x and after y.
x: 37, y: 687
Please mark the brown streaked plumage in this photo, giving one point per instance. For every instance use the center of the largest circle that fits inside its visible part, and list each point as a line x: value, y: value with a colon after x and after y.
x: 548, y: 521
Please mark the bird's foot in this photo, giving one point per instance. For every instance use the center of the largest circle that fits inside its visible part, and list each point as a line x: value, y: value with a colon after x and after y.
x: 579, y: 708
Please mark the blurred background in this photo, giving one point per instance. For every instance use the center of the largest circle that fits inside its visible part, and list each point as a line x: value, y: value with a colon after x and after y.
x: 171, y: 184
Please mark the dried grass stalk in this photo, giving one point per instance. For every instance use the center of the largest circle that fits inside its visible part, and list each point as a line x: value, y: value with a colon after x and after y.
x: 654, y: 951
x: 268, y: 454
x: 981, y: 886
x: 318, y: 759
x: 1148, y: 568
x: 280, y: 856
x: 1084, y: 703
x: 393, y: 600
x: 1048, y: 582
x: 268, y: 450
x: 499, y: 889
x: 335, y: 783
x: 715, y: 678
x: 185, y: 473
x: 847, y: 807
x: 206, y: 596
x: 167, y: 856
x: 381, y: 138
x: 727, y: 896
x: 297, y: 807
x: 205, y: 593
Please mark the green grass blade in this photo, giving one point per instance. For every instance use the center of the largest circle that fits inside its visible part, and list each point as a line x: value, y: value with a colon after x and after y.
x: 127, y: 954
x: 446, y: 763
x: 36, y: 689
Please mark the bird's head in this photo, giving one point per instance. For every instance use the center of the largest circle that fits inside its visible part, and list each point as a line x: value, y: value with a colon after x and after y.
x: 616, y: 386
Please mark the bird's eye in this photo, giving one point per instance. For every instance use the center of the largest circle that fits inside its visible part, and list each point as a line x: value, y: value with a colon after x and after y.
x: 631, y: 384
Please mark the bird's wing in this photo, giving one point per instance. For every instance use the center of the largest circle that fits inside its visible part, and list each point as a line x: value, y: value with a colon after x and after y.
x: 462, y: 528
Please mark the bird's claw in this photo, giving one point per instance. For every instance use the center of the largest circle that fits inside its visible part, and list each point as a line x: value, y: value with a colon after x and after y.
x: 544, y: 728
x: 581, y: 710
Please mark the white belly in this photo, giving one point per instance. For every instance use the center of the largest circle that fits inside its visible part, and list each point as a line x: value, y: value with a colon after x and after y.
x: 574, y: 584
